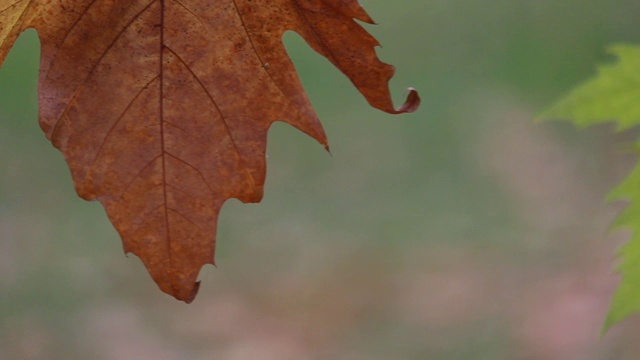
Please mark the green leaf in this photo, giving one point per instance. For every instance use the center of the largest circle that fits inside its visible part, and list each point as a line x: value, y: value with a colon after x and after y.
x: 613, y: 95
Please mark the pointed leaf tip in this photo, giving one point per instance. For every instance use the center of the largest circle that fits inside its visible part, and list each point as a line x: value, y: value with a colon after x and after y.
x: 192, y: 295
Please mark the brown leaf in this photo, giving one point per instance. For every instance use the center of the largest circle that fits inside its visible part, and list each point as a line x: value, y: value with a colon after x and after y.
x: 161, y: 107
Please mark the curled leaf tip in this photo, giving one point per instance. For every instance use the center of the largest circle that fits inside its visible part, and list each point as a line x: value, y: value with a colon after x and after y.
x: 411, y: 104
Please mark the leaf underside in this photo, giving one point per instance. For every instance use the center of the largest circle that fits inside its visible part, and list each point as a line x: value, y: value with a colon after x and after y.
x: 613, y: 95
x: 161, y: 107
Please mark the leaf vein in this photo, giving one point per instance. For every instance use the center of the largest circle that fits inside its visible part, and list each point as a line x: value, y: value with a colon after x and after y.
x: 97, y: 62
x: 192, y: 167
x: 186, y: 218
x: 144, y: 218
x: 194, y: 15
x: 255, y: 50
x: 222, y: 116
x: 66, y: 35
x: 21, y: 17
x: 137, y: 175
x: 115, y: 123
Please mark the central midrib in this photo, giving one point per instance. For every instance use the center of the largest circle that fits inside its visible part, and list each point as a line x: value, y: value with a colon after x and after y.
x: 162, y: 142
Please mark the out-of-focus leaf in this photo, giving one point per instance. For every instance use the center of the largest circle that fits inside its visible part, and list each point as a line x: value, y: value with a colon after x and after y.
x: 613, y: 95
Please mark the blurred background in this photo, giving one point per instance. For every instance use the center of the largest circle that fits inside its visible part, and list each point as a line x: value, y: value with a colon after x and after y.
x: 462, y: 231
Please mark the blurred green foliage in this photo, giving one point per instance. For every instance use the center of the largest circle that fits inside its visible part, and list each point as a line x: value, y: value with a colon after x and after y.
x: 612, y: 96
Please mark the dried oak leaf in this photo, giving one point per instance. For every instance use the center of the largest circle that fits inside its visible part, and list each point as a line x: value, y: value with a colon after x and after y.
x: 161, y: 107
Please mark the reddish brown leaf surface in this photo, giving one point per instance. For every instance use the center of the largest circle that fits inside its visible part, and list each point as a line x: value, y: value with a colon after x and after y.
x: 161, y: 107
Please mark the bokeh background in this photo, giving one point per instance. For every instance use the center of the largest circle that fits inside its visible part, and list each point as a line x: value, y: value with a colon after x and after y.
x: 462, y: 231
